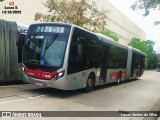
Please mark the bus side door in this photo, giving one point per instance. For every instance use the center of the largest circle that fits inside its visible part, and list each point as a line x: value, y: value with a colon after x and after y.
x: 104, y: 64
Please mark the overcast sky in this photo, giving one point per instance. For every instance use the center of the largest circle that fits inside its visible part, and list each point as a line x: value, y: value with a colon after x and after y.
x: 145, y: 23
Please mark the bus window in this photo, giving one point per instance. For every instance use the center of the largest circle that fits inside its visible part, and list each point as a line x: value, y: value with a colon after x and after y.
x: 117, y: 58
x: 83, y: 52
x: 138, y: 61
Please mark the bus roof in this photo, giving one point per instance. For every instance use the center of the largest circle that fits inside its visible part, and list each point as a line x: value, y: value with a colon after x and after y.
x: 65, y: 24
x: 109, y: 40
x: 136, y: 50
x: 100, y: 36
x: 48, y: 23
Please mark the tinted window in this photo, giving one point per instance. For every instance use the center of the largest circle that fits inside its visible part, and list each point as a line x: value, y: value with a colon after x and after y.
x: 83, y: 51
x: 138, y: 60
x: 117, y: 57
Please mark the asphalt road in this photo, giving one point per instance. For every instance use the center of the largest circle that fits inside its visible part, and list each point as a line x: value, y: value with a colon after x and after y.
x: 134, y: 95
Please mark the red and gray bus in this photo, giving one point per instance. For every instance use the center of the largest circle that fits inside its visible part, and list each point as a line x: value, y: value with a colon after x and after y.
x: 68, y: 57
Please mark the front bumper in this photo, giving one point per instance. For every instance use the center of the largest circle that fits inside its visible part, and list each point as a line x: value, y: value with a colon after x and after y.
x: 59, y: 84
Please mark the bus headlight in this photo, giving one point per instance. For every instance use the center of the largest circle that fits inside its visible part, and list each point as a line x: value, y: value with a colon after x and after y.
x: 59, y: 75
x: 23, y: 69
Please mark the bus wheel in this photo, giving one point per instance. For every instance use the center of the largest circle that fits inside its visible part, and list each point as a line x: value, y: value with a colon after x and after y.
x: 89, y: 84
x: 118, y: 79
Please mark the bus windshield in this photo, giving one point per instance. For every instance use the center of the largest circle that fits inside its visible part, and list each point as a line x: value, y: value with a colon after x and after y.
x: 45, y: 49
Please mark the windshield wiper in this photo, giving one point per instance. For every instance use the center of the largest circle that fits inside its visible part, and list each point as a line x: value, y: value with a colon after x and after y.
x: 47, y: 45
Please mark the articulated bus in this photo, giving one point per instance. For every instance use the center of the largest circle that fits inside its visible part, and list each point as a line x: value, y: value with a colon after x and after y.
x: 65, y: 56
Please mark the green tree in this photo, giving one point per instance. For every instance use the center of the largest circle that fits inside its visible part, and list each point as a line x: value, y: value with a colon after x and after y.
x: 146, y: 5
x: 109, y: 34
x: 1, y: 0
x: 155, y: 59
x: 73, y: 11
x: 138, y: 44
x: 149, y: 51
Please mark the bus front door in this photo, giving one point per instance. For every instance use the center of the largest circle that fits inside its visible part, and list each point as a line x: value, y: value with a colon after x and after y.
x: 104, y: 64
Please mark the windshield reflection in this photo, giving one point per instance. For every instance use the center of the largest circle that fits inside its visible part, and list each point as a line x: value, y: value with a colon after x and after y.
x: 47, y: 50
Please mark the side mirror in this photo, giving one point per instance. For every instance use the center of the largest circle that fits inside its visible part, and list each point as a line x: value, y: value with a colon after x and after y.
x: 21, y: 39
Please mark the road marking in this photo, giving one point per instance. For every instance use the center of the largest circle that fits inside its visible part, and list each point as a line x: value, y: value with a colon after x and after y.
x: 22, y: 99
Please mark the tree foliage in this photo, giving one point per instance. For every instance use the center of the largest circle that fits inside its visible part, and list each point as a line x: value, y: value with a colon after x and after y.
x: 73, y: 11
x: 146, y: 5
x: 1, y: 0
x: 109, y: 34
x: 146, y: 47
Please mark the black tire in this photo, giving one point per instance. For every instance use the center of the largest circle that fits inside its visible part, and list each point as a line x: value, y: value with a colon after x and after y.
x: 90, y: 83
x: 119, y: 78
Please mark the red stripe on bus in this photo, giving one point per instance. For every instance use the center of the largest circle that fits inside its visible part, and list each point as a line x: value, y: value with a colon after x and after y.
x: 40, y: 74
x: 114, y: 75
